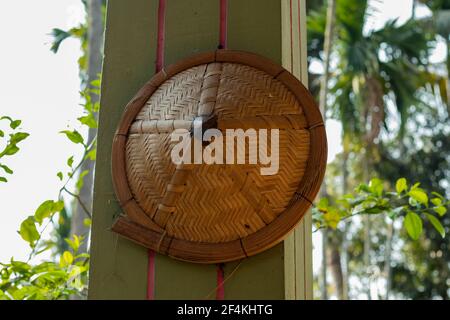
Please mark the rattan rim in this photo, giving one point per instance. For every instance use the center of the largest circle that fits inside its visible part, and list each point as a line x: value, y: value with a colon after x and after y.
x: 138, y: 227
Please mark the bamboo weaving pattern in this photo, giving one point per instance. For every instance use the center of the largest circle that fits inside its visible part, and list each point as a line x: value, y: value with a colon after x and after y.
x: 209, y: 213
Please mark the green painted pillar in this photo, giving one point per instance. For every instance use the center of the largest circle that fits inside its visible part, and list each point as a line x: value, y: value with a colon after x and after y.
x: 273, y: 28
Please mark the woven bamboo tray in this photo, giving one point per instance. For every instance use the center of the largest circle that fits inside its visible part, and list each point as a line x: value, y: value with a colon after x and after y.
x: 216, y: 213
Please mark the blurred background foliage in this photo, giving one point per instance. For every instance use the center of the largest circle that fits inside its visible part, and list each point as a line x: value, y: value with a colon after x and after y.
x: 392, y: 105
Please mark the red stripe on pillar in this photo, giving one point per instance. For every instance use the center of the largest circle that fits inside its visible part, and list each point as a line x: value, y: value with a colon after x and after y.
x: 220, y: 290
x: 151, y: 275
x: 223, y: 38
x: 161, y: 35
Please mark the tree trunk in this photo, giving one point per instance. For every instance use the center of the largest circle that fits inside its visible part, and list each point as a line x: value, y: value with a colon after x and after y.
x: 337, y: 248
x: 374, y: 115
x: 331, y: 12
x: 95, y: 57
x: 366, y: 222
x: 387, y: 259
x: 334, y: 256
x: 345, y: 156
x: 324, y: 285
x: 366, y: 258
x: 376, y: 110
x: 448, y: 78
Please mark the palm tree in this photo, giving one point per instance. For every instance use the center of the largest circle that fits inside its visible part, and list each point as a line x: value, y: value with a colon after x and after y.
x: 380, y: 67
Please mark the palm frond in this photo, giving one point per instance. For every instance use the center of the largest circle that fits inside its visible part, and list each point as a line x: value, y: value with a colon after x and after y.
x: 407, y: 40
x: 316, y: 23
x: 351, y: 15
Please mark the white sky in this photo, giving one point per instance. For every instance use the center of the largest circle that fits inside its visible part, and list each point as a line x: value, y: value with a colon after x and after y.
x: 41, y: 89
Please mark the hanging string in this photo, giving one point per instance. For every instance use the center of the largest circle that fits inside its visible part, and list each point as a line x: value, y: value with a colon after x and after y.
x: 159, y: 64
x: 224, y: 281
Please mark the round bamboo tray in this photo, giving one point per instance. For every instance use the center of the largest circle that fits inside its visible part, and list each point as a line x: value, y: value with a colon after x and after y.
x: 220, y: 212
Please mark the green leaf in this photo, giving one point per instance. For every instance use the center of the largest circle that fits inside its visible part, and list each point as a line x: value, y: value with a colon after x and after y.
x: 323, y: 204
x: 43, y: 211
x: 87, y: 222
x: 66, y: 259
x: 96, y: 83
x: 58, y: 206
x: 376, y: 186
x: 436, y: 201
x: 60, y: 175
x: 15, y: 138
x: 43, y: 266
x: 74, y: 243
x: 20, y: 267
x: 77, y: 241
x: 70, y: 161
x: 74, y: 136
x: 14, y: 124
x: 441, y: 211
x: 363, y: 187
x: 10, y: 150
x: 419, y: 195
x: 6, y: 169
x: 401, y: 185
x: 46, y: 209
x: 413, y: 224
x: 92, y: 155
x: 2, y: 134
x: 440, y: 196
x: 28, y: 231
x: 75, y: 271
x: 344, y: 203
x: 58, y: 37
x: 436, y: 224
x: 80, y: 181
x: 415, y: 186
x: 89, y: 121
x: 3, y: 179
x: 96, y: 106
x: 83, y: 256
x: 332, y: 218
